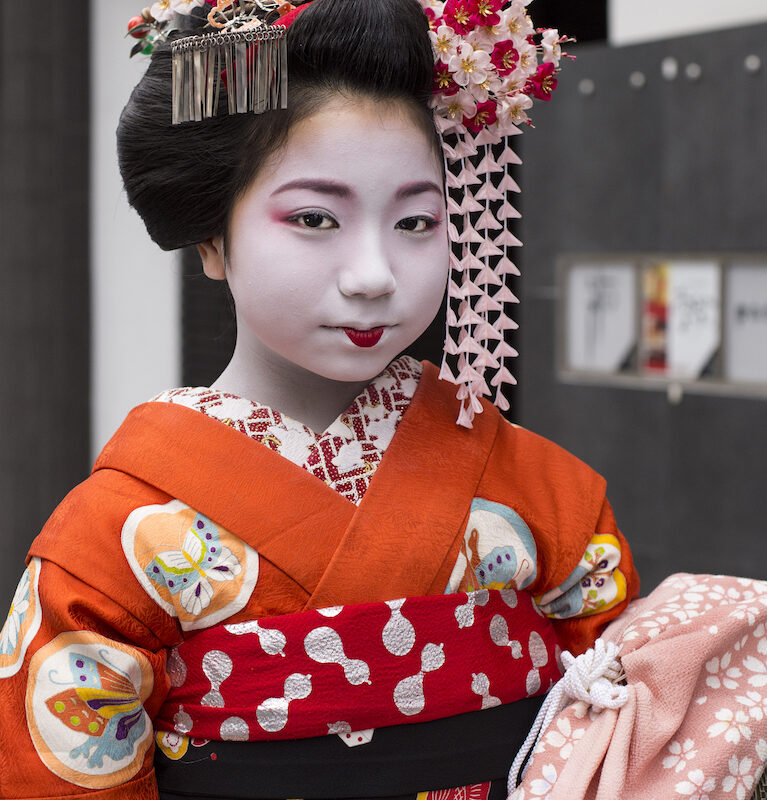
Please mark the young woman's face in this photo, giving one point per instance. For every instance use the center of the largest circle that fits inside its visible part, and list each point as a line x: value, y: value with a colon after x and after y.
x: 338, y: 252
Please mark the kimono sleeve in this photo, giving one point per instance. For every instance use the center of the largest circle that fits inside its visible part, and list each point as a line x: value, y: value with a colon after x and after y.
x: 597, y: 589
x: 547, y: 513
x: 82, y: 668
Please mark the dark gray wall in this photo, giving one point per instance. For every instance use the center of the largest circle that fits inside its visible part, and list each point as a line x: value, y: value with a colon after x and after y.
x: 44, y: 306
x: 676, y: 167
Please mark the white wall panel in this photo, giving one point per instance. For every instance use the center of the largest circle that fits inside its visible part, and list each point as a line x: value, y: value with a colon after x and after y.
x: 135, y: 298
x: 631, y: 21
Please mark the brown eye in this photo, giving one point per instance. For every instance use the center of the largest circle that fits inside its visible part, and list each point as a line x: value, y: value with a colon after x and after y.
x: 315, y: 220
x: 415, y: 224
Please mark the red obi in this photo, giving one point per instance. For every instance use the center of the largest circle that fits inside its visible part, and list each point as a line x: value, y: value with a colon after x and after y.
x: 357, y: 667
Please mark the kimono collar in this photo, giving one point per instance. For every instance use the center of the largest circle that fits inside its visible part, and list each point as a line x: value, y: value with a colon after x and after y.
x: 346, y: 454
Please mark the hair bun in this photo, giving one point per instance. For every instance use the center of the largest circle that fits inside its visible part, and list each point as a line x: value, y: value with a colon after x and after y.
x: 184, y: 179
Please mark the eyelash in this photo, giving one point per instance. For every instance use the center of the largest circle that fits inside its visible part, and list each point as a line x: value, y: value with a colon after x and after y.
x: 430, y: 224
x: 298, y: 219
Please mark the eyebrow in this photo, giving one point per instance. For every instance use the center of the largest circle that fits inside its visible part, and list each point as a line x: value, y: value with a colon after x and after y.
x: 419, y: 187
x: 314, y: 185
x: 342, y: 190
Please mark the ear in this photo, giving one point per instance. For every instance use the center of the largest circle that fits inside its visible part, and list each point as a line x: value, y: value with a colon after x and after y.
x: 213, y: 258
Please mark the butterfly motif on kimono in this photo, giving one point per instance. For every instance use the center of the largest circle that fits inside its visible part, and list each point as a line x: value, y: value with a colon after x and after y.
x: 190, y: 571
x: 101, y: 702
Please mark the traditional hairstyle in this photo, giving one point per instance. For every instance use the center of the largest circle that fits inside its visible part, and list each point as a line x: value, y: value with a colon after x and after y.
x: 480, y: 64
x: 184, y: 179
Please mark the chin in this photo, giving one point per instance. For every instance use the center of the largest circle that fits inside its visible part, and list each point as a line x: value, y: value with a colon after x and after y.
x: 353, y: 370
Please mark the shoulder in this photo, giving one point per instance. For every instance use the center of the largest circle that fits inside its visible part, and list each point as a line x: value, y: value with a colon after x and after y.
x: 520, y: 450
x: 517, y: 457
x: 94, y: 511
x: 559, y: 497
x: 89, y: 519
x: 551, y: 483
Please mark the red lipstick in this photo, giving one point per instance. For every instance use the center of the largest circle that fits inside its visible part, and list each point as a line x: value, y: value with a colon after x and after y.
x: 364, y: 338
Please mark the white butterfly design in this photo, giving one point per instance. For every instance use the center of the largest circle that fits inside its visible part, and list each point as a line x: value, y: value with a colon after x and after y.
x: 188, y: 572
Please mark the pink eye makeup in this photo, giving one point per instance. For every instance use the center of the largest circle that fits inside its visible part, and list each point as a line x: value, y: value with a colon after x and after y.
x: 419, y: 224
x: 313, y: 220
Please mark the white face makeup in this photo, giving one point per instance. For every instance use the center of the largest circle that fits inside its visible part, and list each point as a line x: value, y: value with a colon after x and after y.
x: 338, y: 252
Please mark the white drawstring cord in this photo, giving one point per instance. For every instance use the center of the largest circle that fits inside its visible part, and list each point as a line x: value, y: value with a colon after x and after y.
x: 592, y: 677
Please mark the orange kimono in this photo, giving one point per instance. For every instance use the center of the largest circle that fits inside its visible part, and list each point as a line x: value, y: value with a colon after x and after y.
x: 186, y: 524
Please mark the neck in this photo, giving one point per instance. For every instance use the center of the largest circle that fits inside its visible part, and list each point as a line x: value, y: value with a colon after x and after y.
x: 267, y: 378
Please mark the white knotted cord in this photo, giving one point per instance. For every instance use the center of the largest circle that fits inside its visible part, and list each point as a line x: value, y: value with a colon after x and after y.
x: 592, y: 677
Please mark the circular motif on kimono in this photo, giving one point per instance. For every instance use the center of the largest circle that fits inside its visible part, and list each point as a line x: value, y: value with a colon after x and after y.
x: 85, y: 710
x: 498, y: 550
x: 171, y: 744
x: 191, y: 567
x: 604, y: 585
x: 23, y: 621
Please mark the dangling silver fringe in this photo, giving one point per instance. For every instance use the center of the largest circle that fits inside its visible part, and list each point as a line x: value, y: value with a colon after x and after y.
x: 256, y: 64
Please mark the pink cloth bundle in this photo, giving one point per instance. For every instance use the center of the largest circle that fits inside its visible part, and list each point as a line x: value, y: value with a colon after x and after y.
x: 694, y: 725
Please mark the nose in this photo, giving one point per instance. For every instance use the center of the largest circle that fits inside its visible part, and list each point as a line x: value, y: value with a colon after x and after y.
x: 367, y: 271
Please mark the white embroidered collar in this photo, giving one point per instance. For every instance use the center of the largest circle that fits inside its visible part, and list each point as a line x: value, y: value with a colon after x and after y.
x: 346, y: 454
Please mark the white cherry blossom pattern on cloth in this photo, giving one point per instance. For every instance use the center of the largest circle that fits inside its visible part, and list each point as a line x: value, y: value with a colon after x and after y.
x: 498, y: 550
x: 85, y: 712
x: 694, y: 653
x: 23, y: 621
x: 594, y: 586
x: 345, y: 455
x: 561, y: 735
x: 192, y: 568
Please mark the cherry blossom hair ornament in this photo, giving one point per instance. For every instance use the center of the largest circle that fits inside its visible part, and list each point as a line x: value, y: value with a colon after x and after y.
x: 488, y: 68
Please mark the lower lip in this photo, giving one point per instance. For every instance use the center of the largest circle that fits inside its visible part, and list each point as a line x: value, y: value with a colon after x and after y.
x: 364, y: 338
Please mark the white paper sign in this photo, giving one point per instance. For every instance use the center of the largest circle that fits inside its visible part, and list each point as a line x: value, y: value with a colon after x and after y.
x: 694, y: 318
x: 746, y: 351
x: 601, y: 316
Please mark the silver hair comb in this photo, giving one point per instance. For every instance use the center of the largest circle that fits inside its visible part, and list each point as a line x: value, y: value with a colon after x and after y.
x: 255, y: 62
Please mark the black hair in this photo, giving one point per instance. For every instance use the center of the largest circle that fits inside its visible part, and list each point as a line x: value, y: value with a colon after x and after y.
x: 184, y: 179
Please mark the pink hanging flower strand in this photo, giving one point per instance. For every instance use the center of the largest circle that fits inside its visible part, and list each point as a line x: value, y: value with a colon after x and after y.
x: 490, y: 62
